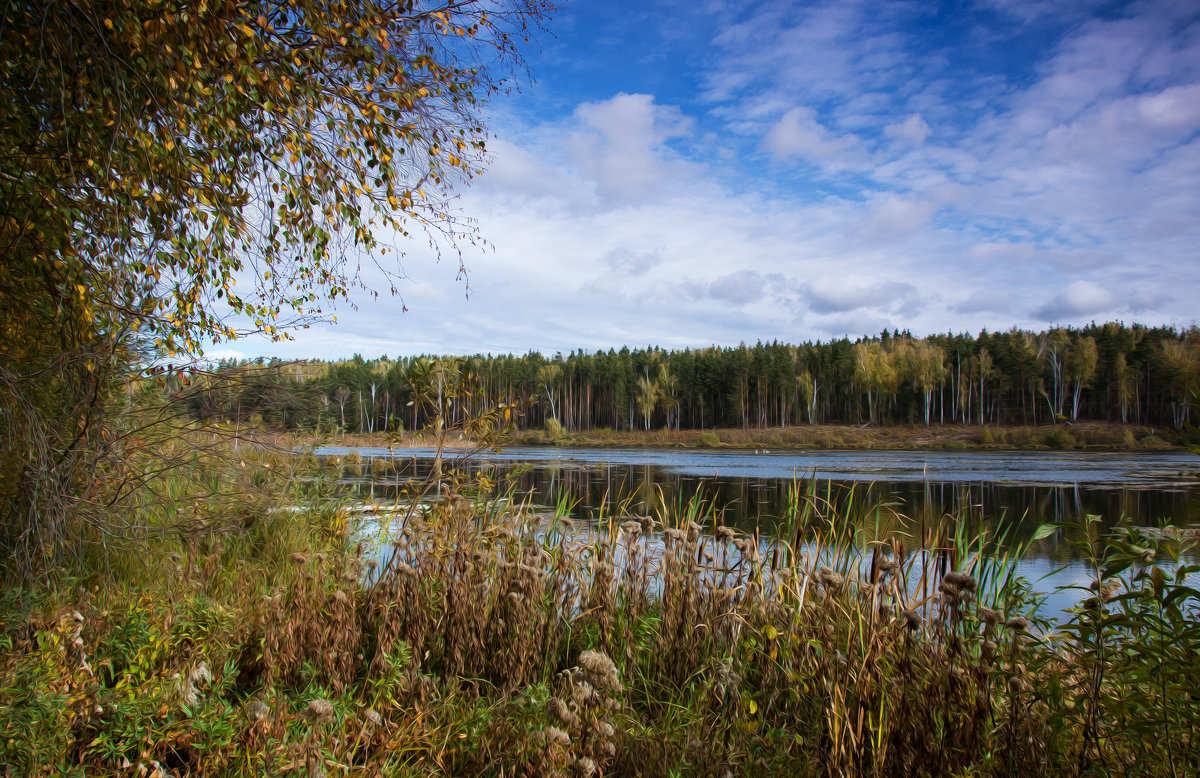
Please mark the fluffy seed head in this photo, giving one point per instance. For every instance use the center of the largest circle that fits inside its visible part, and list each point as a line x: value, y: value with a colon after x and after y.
x: 318, y: 710
x: 960, y: 580
x: 556, y: 735
x: 1017, y: 623
x: 601, y: 670
x: 559, y: 711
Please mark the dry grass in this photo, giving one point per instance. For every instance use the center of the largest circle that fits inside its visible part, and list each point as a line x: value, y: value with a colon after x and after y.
x: 484, y: 638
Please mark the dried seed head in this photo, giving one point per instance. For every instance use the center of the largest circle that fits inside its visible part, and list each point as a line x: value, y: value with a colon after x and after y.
x: 601, y: 670
x: 888, y: 565
x: 318, y: 710
x: 606, y: 730
x: 912, y: 619
x: 582, y: 692
x: 674, y: 533
x: 949, y: 590
x: 991, y: 617
x: 960, y: 580
x: 608, y: 749
x: 559, y: 711
x: 585, y: 767
x: 516, y: 597
x: 200, y: 674
x: 1016, y: 685
x: 408, y: 570
x: 1017, y: 623
x: 830, y: 579
x: 554, y: 735
x: 372, y: 716
x: 647, y: 525
x: 299, y: 558
x: 633, y: 527
x: 372, y: 564
x: 257, y: 710
x: 725, y: 533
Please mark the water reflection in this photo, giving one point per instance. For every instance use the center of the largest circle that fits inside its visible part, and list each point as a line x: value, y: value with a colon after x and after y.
x: 889, y: 493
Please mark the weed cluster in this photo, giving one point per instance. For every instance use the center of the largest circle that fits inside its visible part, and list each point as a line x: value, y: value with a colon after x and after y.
x: 480, y: 637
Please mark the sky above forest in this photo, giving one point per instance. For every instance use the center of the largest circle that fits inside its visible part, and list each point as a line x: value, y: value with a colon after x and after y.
x: 684, y: 174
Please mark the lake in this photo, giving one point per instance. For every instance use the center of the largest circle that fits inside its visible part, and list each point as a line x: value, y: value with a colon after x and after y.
x: 751, y: 490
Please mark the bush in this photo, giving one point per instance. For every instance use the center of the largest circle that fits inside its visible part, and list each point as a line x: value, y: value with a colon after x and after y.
x: 554, y: 429
x: 708, y: 439
x: 1059, y: 438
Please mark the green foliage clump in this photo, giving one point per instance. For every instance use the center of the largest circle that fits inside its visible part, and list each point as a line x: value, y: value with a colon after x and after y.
x: 1058, y: 438
x: 708, y: 439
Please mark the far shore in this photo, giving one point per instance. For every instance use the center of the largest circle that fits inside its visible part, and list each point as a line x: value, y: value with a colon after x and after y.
x: 1097, y: 436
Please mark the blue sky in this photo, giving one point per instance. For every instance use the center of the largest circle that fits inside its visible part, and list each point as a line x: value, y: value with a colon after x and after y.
x: 698, y: 173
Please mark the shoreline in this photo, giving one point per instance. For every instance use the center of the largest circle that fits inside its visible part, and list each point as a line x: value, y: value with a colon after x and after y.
x: 1095, y: 436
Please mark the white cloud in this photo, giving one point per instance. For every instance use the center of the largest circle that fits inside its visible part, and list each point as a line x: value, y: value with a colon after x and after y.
x: 912, y: 130
x: 620, y: 145
x: 799, y: 134
x: 1077, y: 299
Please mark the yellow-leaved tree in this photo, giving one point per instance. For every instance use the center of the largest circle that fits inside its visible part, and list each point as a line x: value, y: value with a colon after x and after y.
x: 154, y: 153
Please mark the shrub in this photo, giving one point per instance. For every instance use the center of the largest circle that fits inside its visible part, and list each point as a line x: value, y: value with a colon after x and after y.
x: 708, y: 439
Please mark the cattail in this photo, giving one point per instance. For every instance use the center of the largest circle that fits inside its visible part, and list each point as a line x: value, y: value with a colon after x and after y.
x: 830, y: 579
x: 693, y: 532
x: 725, y: 533
x: 559, y: 711
x: 991, y: 617
x: 674, y: 533
x: 318, y: 710
x: 960, y: 580
x: 647, y: 525
x: 950, y: 590
x: 633, y: 527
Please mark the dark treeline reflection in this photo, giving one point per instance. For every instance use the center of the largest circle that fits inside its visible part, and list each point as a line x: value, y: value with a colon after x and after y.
x: 883, y: 507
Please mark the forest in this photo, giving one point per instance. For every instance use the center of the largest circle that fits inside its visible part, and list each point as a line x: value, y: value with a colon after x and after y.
x: 1103, y: 372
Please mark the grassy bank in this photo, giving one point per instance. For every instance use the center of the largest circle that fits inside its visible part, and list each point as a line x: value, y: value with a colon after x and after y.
x: 1090, y: 435
x: 477, y: 639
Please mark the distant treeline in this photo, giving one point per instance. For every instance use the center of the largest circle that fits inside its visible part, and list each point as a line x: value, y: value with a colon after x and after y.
x: 1108, y: 372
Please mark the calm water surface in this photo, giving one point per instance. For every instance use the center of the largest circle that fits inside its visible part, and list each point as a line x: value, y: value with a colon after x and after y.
x: 752, y: 490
